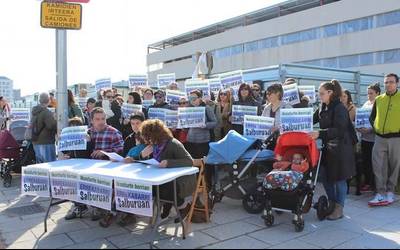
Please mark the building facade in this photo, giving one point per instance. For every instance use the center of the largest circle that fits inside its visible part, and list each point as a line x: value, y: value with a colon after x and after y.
x: 6, y: 88
x: 360, y: 35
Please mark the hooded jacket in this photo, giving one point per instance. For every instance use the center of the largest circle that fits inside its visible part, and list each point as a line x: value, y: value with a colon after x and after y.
x: 46, y: 124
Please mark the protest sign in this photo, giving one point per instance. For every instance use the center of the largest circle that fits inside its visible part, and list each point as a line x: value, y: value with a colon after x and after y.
x: 197, y: 84
x: 194, y: 117
x: 64, y: 184
x: 35, y: 182
x: 258, y: 127
x: 164, y: 80
x: 133, y: 198
x: 129, y: 109
x: 73, y: 138
x: 137, y: 81
x: 173, y: 97
x: 239, y: 111
x: 82, y: 101
x: 147, y: 103
x: 20, y: 114
x: 52, y: 110
x: 103, y: 84
x: 291, y: 94
x: 309, y: 91
x: 297, y: 120
x: 171, y: 118
x: 362, y: 118
x: 157, y: 113
x: 95, y: 191
x: 215, y: 86
x: 231, y: 79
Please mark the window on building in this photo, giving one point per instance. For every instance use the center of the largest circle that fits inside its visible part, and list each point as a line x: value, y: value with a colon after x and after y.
x: 330, y: 62
x: 391, y: 56
x: 388, y: 19
x: 348, y: 61
x: 235, y: 50
x: 331, y: 30
x: 252, y: 46
x: 269, y: 43
x: 366, y: 59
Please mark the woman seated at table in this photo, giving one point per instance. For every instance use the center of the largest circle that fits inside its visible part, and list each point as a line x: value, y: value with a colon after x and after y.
x: 171, y: 153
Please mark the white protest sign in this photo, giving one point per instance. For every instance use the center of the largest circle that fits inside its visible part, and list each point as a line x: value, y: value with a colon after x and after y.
x: 239, y: 111
x: 197, y: 84
x: 82, y: 101
x: 163, y: 80
x: 231, y: 79
x: 362, y: 117
x: 173, y: 97
x: 215, y: 86
x: 297, y: 120
x: 194, y: 117
x: 52, y: 110
x: 291, y: 94
x: 137, y: 81
x: 103, y: 84
x: 157, y: 113
x: 95, y: 191
x: 64, y: 184
x: 309, y: 91
x: 147, y: 103
x: 133, y: 198
x: 171, y: 118
x: 20, y: 114
x: 129, y: 109
x: 258, y: 127
x: 35, y: 182
x: 73, y: 138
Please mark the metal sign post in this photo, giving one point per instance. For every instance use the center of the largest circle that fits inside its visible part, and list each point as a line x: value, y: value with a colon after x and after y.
x: 61, y: 70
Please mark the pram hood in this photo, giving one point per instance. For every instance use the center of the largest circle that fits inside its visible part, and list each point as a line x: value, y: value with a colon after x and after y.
x: 298, y: 142
x: 229, y: 149
x: 9, y: 147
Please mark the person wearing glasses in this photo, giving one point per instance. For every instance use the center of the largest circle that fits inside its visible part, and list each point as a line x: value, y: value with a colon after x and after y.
x: 257, y: 93
x: 161, y: 103
x: 222, y: 112
x: 111, y: 108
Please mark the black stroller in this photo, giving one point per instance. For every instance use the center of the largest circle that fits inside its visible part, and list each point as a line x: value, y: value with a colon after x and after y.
x: 15, y: 152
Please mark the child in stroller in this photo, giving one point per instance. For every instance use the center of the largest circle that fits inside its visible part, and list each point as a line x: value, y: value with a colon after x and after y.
x: 293, y: 191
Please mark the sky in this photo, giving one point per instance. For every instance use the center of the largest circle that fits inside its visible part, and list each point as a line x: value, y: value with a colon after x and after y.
x: 112, y: 42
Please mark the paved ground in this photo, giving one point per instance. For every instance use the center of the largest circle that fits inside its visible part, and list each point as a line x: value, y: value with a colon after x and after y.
x: 231, y: 227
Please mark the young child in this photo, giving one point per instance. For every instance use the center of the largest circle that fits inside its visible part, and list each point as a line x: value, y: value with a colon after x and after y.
x: 134, y: 153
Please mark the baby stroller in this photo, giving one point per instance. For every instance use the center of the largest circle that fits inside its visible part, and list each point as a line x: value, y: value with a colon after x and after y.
x: 237, y: 160
x: 298, y: 200
x: 15, y: 152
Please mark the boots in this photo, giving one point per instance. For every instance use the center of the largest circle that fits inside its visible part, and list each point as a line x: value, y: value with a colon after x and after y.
x: 337, y: 213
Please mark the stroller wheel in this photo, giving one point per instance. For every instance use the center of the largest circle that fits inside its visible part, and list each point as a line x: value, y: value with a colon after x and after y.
x: 322, y: 208
x: 269, y: 220
x: 299, y: 226
x: 254, y: 203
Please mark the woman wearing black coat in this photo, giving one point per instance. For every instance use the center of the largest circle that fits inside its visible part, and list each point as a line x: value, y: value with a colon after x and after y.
x: 338, y: 136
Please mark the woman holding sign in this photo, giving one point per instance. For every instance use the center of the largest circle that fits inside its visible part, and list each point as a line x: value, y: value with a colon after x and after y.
x: 368, y: 141
x: 246, y: 98
x: 171, y: 154
x: 339, y: 137
x: 275, y: 104
x: 4, y: 112
x: 222, y: 112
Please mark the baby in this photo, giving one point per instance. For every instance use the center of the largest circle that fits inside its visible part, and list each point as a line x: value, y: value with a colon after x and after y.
x: 297, y: 159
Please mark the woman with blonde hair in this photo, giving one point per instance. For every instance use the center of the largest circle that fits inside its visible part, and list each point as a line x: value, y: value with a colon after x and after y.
x: 222, y: 112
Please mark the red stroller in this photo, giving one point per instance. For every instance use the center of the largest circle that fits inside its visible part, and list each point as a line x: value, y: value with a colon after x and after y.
x: 299, y: 200
x: 10, y: 153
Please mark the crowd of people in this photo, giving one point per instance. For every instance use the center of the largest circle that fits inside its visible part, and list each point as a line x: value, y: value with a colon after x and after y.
x: 138, y: 137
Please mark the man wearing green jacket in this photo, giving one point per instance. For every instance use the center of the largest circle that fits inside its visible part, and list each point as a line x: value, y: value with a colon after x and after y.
x: 385, y: 119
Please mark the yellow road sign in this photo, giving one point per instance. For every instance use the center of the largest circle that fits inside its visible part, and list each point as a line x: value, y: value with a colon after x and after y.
x: 59, y: 15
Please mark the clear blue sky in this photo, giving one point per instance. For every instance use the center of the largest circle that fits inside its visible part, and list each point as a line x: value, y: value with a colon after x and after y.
x: 112, y: 43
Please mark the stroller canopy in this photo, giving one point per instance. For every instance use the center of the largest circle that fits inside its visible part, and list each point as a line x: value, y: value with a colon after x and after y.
x: 9, y: 147
x: 298, y: 142
x: 231, y: 148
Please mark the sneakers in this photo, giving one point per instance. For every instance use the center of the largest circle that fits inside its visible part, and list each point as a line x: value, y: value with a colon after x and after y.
x: 378, y: 201
x: 390, y: 198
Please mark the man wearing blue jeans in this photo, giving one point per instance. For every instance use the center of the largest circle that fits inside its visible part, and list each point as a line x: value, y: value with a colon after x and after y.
x: 44, y: 129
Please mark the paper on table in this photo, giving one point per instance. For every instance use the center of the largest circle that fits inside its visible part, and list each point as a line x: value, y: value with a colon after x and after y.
x: 152, y: 162
x: 114, y: 156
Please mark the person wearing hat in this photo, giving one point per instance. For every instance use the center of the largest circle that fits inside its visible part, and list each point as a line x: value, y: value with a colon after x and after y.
x: 161, y: 103
x: 135, y: 121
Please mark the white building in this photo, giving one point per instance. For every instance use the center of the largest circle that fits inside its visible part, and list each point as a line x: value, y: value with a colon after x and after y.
x: 6, y: 88
x: 361, y: 35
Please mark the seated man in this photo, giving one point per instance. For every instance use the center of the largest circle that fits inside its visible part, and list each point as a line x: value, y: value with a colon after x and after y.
x: 104, y: 138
